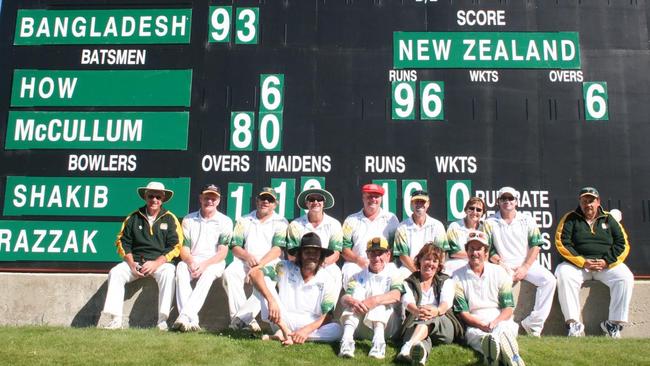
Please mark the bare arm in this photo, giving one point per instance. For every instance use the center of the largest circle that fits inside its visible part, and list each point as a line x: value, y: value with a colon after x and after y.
x: 407, y: 261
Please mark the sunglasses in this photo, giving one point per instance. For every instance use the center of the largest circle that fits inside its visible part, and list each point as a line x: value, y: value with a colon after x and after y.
x: 315, y: 199
x: 477, y: 235
x: 477, y: 209
x: 152, y: 196
x: 267, y: 198
x: 506, y: 199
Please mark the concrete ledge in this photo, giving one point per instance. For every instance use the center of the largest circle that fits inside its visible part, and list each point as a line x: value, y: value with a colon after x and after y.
x: 77, y: 300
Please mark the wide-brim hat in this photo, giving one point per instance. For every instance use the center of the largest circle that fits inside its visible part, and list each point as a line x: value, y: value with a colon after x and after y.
x: 155, y: 186
x: 329, y: 199
x: 310, y: 240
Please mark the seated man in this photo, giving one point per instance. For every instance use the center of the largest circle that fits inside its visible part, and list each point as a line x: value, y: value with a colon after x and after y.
x: 207, y: 236
x: 484, y: 301
x: 370, y: 295
x: 593, y: 245
x: 302, y: 305
x: 150, y: 238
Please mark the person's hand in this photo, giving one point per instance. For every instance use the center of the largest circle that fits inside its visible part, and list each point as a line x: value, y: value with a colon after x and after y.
x: 427, y: 312
x: 274, y: 312
x: 496, y: 259
x: 149, y: 267
x: 595, y: 265
x: 371, y: 303
x: 520, y: 273
x: 251, y: 261
x: 358, y: 307
x: 300, y: 336
x: 362, y: 262
x: 135, y: 269
x: 196, y: 269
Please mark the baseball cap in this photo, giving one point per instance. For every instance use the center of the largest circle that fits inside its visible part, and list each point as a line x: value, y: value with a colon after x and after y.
x: 508, y: 190
x: 377, y: 243
x: 373, y: 188
x: 211, y: 188
x: 419, y: 195
x: 479, y: 236
x: 268, y: 191
x: 589, y: 191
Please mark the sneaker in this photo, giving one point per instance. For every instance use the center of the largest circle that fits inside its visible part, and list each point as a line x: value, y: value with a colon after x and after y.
x: 404, y: 354
x: 115, y: 323
x: 509, y: 350
x: 193, y: 327
x: 347, y: 349
x: 491, y: 350
x: 254, y: 326
x: 611, y: 329
x: 378, y: 351
x: 237, y: 324
x: 530, y: 331
x: 418, y: 355
x: 576, y: 329
x: 162, y: 326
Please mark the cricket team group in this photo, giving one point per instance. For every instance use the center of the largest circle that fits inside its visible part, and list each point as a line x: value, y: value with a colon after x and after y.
x: 373, y: 277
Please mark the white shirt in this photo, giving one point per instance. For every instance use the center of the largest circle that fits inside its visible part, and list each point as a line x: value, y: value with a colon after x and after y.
x: 329, y: 231
x: 429, y: 298
x: 203, y: 236
x: 513, y: 240
x: 375, y: 283
x: 410, y: 238
x: 358, y: 229
x: 486, y: 295
x: 259, y: 237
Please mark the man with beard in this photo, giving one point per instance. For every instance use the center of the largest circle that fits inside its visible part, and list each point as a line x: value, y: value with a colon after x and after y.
x: 300, y: 309
x: 149, y: 239
x: 257, y: 241
x: 362, y: 226
x: 370, y: 296
x: 593, y: 245
x: 207, y: 236
x: 484, y: 301
x: 516, y: 239
x: 414, y: 232
x: 316, y: 201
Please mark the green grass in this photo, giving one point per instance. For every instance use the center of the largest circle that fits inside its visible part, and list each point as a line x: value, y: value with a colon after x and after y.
x: 90, y: 346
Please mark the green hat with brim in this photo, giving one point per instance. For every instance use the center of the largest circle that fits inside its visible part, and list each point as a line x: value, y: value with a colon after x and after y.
x: 302, y: 197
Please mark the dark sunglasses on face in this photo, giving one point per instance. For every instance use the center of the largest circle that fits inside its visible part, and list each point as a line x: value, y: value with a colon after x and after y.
x: 477, y: 209
x: 152, y: 196
x: 315, y: 199
x: 267, y: 198
x: 506, y: 199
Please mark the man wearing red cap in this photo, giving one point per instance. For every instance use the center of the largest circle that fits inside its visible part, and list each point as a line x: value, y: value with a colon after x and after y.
x: 364, y: 225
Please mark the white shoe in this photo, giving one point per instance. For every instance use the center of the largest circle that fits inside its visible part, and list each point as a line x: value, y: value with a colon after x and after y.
x: 530, y: 331
x: 115, y: 323
x: 491, y: 350
x: 254, y: 326
x: 419, y: 355
x: 347, y: 349
x: 611, y: 329
x: 162, y: 326
x: 404, y: 354
x: 510, y: 350
x: 576, y: 329
x: 378, y: 351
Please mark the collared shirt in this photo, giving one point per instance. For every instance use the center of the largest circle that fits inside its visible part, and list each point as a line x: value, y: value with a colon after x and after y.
x: 410, y: 238
x: 429, y: 297
x: 203, y: 236
x: 486, y: 295
x: 512, y: 241
x: 358, y: 229
x: 329, y: 231
x: 376, y: 283
x: 313, y: 298
x: 457, y: 235
x: 259, y: 237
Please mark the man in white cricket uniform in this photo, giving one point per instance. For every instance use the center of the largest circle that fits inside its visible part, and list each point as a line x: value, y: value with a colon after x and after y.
x: 516, y: 242
x: 303, y: 303
x: 364, y: 225
x: 373, y: 296
x: 593, y: 245
x: 207, y: 236
x: 316, y: 201
x: 485, y: 303
x: 417, y: 230
x: 257, y: 241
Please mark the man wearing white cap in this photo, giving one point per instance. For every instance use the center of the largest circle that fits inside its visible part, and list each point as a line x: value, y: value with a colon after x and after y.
x: 484, y: 302
x: 316, y: 201
x: 364, y: 225
x: 207, y: 236
x: 415, y: 231
x: 516, y: 242
x: 257, y: 241
x: 593, y: 245
x: 149, y: 239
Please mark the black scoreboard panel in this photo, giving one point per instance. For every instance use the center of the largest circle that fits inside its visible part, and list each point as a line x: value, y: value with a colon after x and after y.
x: 457, y: 97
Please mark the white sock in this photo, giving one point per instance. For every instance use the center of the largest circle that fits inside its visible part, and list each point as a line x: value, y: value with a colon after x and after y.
x: 348, y: 332
x: 378, y: 336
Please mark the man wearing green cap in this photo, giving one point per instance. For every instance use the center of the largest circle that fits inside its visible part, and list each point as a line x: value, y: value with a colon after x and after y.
x: 593, y: 245
x: 257, y: 241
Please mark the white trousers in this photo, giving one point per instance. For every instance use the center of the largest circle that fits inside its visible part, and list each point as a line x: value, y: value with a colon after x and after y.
x: 121, y: 274
x: 191, y: 301
x: 474, y: 335
x: 241, y: 306
x: 348, y: 270
x: 329, y: 332
x: 545, y: 282
x: 619, y: 279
